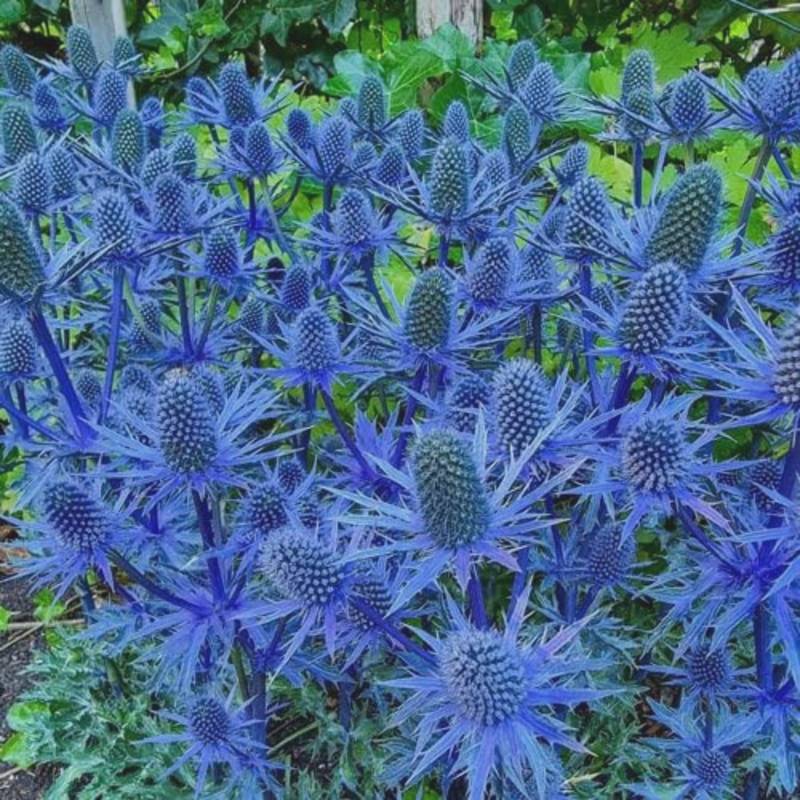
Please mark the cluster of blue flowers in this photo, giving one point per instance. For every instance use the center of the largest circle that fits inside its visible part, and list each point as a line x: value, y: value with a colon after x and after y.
x: 410, y: 447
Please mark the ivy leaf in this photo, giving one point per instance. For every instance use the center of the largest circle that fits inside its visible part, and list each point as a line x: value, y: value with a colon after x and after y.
x: 336, y: 14
x: 11, y: 12
x: 410, y: 65
x: 350, y: 69
x: 48, y: 5
x: 449, y: 45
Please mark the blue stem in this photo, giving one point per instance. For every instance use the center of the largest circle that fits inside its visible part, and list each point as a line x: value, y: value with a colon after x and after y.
x: 586, y: 290
x: 207, y: 533
x: 113, y: 346
x: 536, y: 324
x: 53, y: 356
x: 477, y: 608
x: 151, y: 586
x: 638, y: 173
x: 408, y: 415
x: 345, y: 436
x: 183, y: 310
x: 209, y: 321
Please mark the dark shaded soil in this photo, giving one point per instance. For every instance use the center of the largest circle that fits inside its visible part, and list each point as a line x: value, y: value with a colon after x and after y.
x: 17, y: 784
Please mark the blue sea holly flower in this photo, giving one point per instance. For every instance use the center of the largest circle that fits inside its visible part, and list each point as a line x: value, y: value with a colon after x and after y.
x: 542, y: 96
x: 32, y: 185
x: 329, y: 157
x: 308, y: 579
x: 687, y: 111
x: 154, y: 121
x: 74, y: 533
x: 48, y: 112
x: 81, y: 54
x: 216, y: 736
x: 656, y: 465
x: 587, y: 222
x: 487, y: 702
x: 17, y: 133
x: 410, y: 133
x: 18, y: 350
x: 454, y: 517
x: 456, y: 123
x: 18, y: 73
x: 521, y: 61
x: 187, y: 444
x: 700, y: 756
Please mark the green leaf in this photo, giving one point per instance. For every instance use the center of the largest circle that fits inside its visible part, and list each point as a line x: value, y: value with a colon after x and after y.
x: 5, y: 618
x: 48, y: 5
x: 21, y: 715
x: 46, y: 607
x: 409, y: 66
x: 11, y: 12
x: 15, y: 750
x: 336, y: 14
x: 449, y: 45
x: 173, y: 15
x: 350, y: 69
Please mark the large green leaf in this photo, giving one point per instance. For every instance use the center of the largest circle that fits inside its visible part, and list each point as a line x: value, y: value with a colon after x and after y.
x: 173, y: 15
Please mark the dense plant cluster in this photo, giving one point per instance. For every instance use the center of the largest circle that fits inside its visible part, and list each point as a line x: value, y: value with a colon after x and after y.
x: 474, y: 450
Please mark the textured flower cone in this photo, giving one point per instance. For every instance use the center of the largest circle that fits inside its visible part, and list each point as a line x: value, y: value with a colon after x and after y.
x: 354, y: 219
x: 688, y: 106
x: 573, y: 165
x: 456, y: 122
x: 300, y: 128
x: 521, y: 63
x: 786, y: 379
x: 88, y: 387
x: 128, y: 142
x: 452, y: 498
x: 209, y: 721
x: 449, y: 179
x: 333, y: 145
x: 653, y: 454
x: 639, y: 75
x: 172, y: 201
x: 264, y: 510
x: 157, y: 163
x: 237, y: 96
x: 16, y: 69
x: 429, y: 313
x: 187, y: 437
x: 641, y: 106
x: 491, y: 274
x: 123, y: 54
x: 110, y: 95
x: 784, y: 247
x: 517, y: 133
x: 411, y: 134
x: 32, y: 183
x: 470, y: 394
x: 47, y: 107
x: 81, y: 53
x: 223, y: 257
x: 656, y: 306
x: 17, y: 133
x: 113, y: 223
x: 296, y: 288
x: 538, y: 93
x: 316, y: 342
x: 391, y: 170
x: 521, y: 403
x: 184, y: 156
x: 587, y: 219
x: 62, y: 168
x: 609, y: 557
x: 371, y: 103
x: 17, y: 349
x: 79, y: 521
x: 688, y: 220
x: 21, y: 269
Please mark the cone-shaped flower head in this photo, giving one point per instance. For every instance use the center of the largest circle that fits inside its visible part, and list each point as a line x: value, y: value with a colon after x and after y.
x: 784, y: 250
x: 517, y: 133
x: 128, y: 141
x: 80, y: 522
x: 641, y: 105
x: 491, y: 272
x: 17, y: 71
x: 157, y: 163
x: 301, y: 568
x: 767, y: 474
x: 373, y: 591
x: 290, y: 474
x: 32, y: 184
x: 429, y: 313
x: 333, y: 145
x: 237, y: 95
x: 639, y: 75
x: 709, y: 670
x: 448, y: 181
x: 688, y: 220
x: 391, y: 169
x: 654, y: 310
x: 187, y: 434
x: 451, y: 496
x: 87, y: 384
x: 587, y: 220
x: 62, y: 168
x: 173, y: 204
x: 609, y: 557
x: 113, y: 223
x: 573, y: 165
x: 316, y: 347
x: 17, y: 132
x: 364, y: 155
x: 136, y: 377
x: 47, y: 108
x: 21, y: 269
x: 539, y: 92
x: 496, y: 168
x: 521, y: 62
x: 259, y: 150
x: 184, y: 156
x: 781, y: 98
x: 223, y: 257
x: 522, y: 407
x: 411, y: 133
x: 123, y: 54
x: 536, y: 266
x: 110, y: 95
x: 152, y: 113
x: 688, y: 104
x: 151, y: 316
x: 252, y: 316
x: 300, y: 128
x: 712, y: 769
x: 264, y: 510
x: 17, y: 349
x: 81, y: 54
x: 209, y: 722
x: 469, y: 395
x: 296, y: 287
x: 456, y: 122
x: 354, y: 219
x: 372, y: 103
x: 653, y: 454
x: 786, y: 380
x: 757, y: 81
x: 484, y: 675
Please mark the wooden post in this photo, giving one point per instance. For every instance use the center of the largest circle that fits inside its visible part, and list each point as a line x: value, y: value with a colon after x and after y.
x: 466, y: 15
x: 104, y: 19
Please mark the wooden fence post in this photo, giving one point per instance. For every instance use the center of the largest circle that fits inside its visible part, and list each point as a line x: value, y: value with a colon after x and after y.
x: 466, y: 15
x: 104, y: 19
